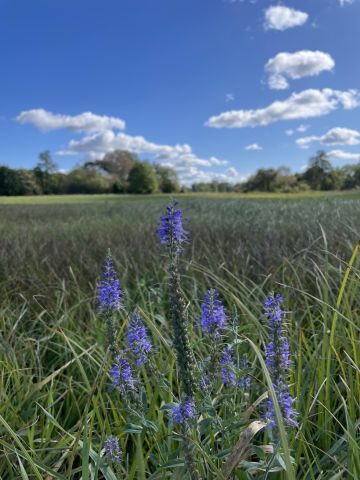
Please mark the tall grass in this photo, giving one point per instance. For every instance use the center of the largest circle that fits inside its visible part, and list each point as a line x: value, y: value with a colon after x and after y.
x: 55, y: 410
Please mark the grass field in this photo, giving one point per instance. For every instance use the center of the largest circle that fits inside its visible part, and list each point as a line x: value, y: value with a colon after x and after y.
x: 55, y: 416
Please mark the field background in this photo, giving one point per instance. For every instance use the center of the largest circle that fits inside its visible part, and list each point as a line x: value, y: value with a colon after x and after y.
x: 51, y: 253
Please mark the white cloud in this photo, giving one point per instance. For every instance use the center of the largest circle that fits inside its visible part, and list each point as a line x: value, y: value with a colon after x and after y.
x: 253, y: 146
x: 85, y: 122
x: 300, y: 128
x: 341, y: 155
x: 229, y: 97
x: 280, y: 18
x: 304, y: 63
x: 335, y: 136
x: 194, y: 175
x: 305, y: 104
x: 345, y: 2
x: 303, y: 128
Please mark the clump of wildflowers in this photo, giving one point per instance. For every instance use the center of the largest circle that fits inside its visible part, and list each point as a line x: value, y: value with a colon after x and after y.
x: 185, y: 410
x: 277, y: 354
x: 228, y: 375
x: 171, y: 231
x: 213, y: 317
x: 113, y: 449
x: 138, y: 340
x: 122, y: 376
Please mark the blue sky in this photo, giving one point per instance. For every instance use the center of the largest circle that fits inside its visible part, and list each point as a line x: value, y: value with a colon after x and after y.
x: 187, y: 83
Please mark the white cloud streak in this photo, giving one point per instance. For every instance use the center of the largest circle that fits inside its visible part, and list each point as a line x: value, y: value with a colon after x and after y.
x: 281, y: 18
x: 253, y: 146
x: 306, y: 104
x: 85, y: 122
x: 335, y: 136
x: 341, y: 155
x: 304, y: 63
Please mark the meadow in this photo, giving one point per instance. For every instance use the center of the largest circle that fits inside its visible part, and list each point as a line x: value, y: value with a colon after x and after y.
x: 56, y: 409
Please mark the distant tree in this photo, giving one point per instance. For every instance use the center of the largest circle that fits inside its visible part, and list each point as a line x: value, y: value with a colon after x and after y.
x: 43, y: 170
x: 262, y: 181
x: 319, y: 168
x: 82, y: 180
x: 167, y: 178
x: 117, y: 164
x: 17, y: 182
x: 142, y: 178
x: 46, y: 163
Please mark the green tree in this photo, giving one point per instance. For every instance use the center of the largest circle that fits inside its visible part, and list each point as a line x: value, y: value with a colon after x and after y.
x: 43, y: 171
x: 142, y: 178
x: 262, y: 181
x: 167, y: 178
x: 117, y: 165
x: 319, y: 168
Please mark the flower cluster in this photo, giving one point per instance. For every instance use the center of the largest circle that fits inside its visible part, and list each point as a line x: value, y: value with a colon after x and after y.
x: 228, y: 375
x: 278, y: 360
x: 112, y: 449
x: 213, y: 317
x: 185, y: 410
x: 138, y: 340
x: 121, y: 375
x: 171, y: 231
x: 109, y: 296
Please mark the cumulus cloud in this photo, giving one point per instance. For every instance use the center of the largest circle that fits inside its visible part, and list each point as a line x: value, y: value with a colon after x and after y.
x: 253, y: 146
x: 85, y: 122
x: 281, y: 18
x: 98, y: 144
x: 304, y: 63
x: 195, y: 175
x: 335, y: 136
x: 306, y: 104
x: 341, y: 155
x: 345, y: 2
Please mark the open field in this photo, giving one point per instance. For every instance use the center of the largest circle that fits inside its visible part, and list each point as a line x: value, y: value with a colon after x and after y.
x: 52, y: 341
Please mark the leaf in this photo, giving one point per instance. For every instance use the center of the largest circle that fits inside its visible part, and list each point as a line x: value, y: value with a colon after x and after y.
x: 240, y: 451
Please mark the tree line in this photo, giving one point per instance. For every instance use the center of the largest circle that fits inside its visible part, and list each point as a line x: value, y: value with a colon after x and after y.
x: 123, y: 172
x: 118, y: 172
x: 319, y: 175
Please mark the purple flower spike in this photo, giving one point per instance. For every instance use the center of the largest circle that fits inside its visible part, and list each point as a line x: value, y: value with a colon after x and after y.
x: 112, y: 449
x: 109, y: 296
x: 184, y: 411
x: 277, y: 353
x: 122, y: 376
x: 228, y: 375
x: 138, y: 340
x: 213, y: 317
x: 171, y: 231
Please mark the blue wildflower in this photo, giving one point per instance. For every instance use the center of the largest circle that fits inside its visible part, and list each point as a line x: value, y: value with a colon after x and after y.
x: 109, y: 296
x: 138, y: 340
x: 213, y: 316
x: 121, y: 375
x: 171, y: 231
x: 184, y: 411
x: 112, y: 449
x: 228, y: 375
x: 244, y: 380
x: 277, y: 353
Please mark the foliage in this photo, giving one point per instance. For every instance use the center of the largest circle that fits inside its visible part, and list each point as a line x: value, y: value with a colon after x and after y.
x: 142, y: 178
